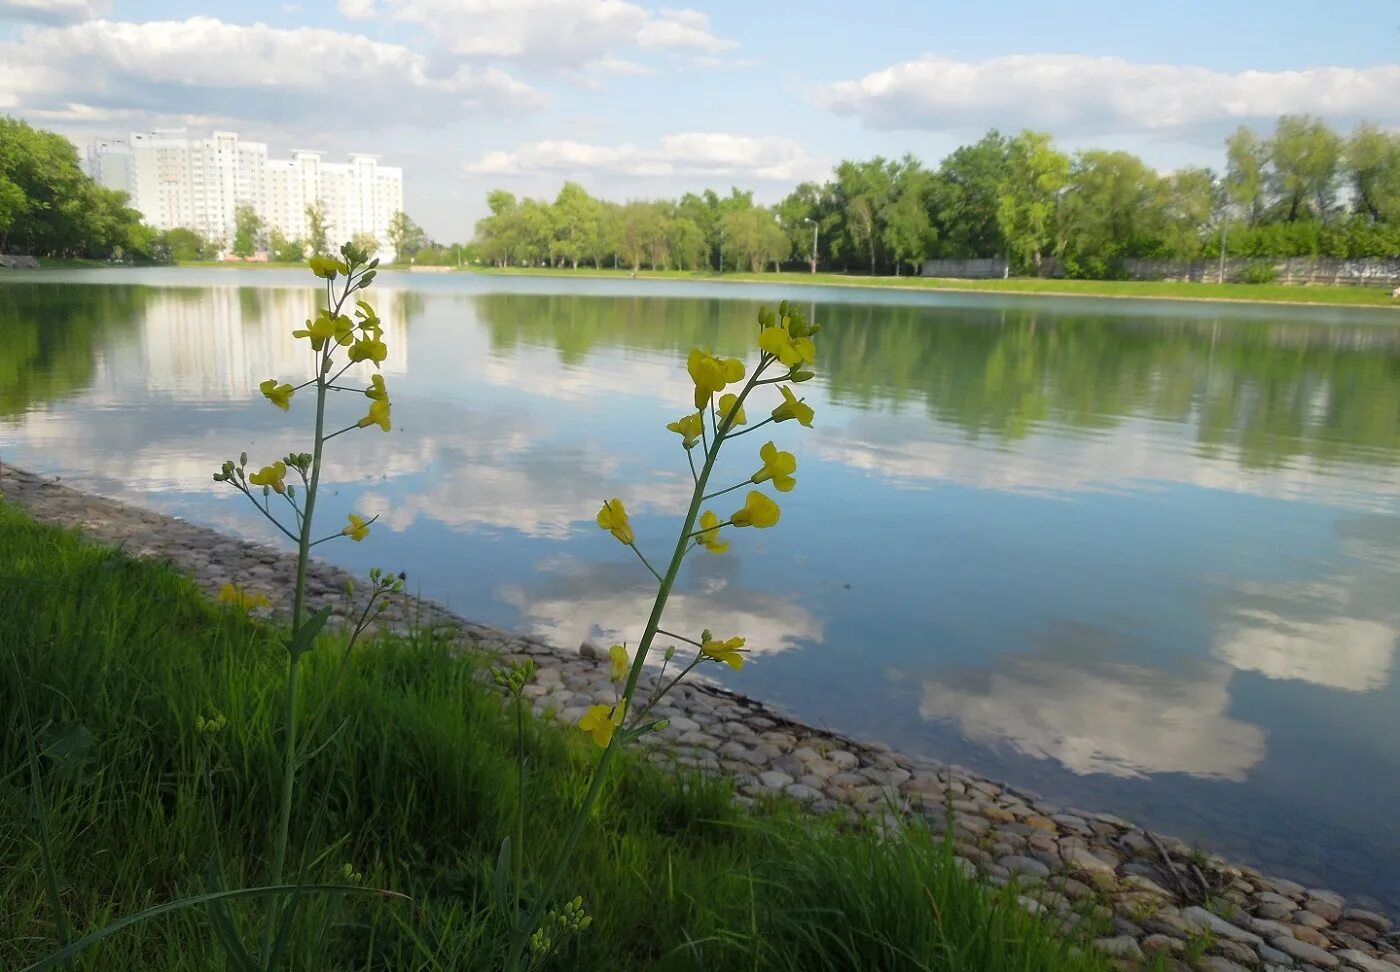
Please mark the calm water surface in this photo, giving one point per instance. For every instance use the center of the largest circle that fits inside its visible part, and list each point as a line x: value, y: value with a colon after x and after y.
x: 1139, y: 556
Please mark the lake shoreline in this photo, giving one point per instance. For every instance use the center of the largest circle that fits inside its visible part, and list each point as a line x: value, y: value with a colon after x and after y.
x: 1145, y: 881
x: 1090, y: 290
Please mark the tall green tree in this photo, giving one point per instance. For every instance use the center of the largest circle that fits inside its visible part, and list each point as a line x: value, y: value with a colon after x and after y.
x: 405, y: 237
x: 1110, y: 210
x: 577, y: 221
x: 247, y: 232
x: 316, y: 229
x: 965, y: 199
x: 1304, y: 161
x: 1247, y: 158
x: 1036, y: 174
x: 1373, y: 171
x: 908, y: 232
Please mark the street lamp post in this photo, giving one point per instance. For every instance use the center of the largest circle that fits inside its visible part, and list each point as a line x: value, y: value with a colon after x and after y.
x: 816, y: 229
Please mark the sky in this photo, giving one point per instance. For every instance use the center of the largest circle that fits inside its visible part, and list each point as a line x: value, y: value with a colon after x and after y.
x: 639, y: 100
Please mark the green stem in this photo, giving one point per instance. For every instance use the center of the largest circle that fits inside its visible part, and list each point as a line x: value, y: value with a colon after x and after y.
x: 747, y: 482
x: 518, y: 851
x: 289, y: 752
x: 521, y: 935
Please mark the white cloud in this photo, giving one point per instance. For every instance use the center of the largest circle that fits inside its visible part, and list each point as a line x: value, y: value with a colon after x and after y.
x: 1351, y: 654
x: 682, y: 29
x: 356, y: 9
x: 607, y: 603
x: 1078, y: 95
x: 1102, y: 716
x: 696, y: 154
x: 51, y: 11
x: 237, y: 72
x: 559, y: 34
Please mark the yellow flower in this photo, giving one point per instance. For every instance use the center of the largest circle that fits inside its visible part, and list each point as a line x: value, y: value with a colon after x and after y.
x: 709, y: 533
x: 689, y: 428
x: 327, y: 267
x: 318, y: 330
x: 368, y: 318
x: 724, y: 651
x: 600, y: 721
x: 792, y: 408
x: 344, y: 330
x: 711, y: 374
x: 378, y: 395
x: 369, y: 347
x: 358, y: 527
x: 241, y: 600
x: 759, y: 511
x: 791, y: 351
x: 620, y: 662
x: 777, y: 466
x: 273, y: 475
x: 279, y: 395
x: 613, y: 517
x: 728, y: 404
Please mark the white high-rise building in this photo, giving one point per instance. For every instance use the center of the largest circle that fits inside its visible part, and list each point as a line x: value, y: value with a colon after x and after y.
x: 198, y: 183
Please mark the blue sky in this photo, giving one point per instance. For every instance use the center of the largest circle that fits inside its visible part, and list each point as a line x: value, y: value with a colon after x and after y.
x: 636, y: 100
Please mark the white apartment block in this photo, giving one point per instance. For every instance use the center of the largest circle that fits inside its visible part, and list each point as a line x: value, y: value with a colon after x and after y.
x: 197, y: 183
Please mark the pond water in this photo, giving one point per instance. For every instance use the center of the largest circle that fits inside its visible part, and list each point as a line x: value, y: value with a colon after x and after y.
x: 1138, y: 556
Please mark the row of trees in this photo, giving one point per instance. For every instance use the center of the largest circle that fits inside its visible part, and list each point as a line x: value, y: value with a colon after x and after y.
x: 1304, y: 190
x: 50, y: 207
x: 252, y: 235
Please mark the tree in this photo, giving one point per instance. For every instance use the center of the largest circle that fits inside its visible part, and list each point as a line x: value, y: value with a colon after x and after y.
x: 367, y: 242
x: 1373, y: 170
x: 686, y: 243
x: 406, y: 237
x: 247, y: 231
x: 577, y: 222
x: 283, y: 250
x: 184, y: 245
x: 316, y: 229
x: 49, y: 206
x: 1110, y: 210
x: 908, y: 231
x: 1304, y: 158
x: 1247, y: 157
x: 965, y: 197
x: 1029, y: 193
x: 1191, y: 203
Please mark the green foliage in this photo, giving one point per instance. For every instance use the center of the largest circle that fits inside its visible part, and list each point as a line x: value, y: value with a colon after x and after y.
x: 316, y: 229
x: 1018, y: 198
x: 248, y: 231
x: 1261, y: 272
x: 120, y: 661
x: 406, y: 238
x: 49, y: 206
x: 282, y: 250
x: 184, y: 245
x: 1028, y: 195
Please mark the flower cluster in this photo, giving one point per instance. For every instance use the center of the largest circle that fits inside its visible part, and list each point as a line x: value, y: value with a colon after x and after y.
x: 722, y: 389
x: 330, y: 331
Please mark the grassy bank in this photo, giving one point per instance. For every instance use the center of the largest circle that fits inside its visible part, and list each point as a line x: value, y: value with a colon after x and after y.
x: 1141, y: 289
x: 115, y: 659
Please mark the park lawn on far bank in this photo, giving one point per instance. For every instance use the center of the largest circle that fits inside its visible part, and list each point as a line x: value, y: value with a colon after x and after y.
x: 1141, y: 289
x: 106, y: 662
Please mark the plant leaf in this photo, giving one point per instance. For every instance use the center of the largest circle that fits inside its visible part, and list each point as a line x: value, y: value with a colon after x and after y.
x: 107, y: 931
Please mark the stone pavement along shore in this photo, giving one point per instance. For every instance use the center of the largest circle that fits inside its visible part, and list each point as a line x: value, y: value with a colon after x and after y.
x: 1139, y: 894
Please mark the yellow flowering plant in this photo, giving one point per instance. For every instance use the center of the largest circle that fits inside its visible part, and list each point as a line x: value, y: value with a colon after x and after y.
x: 723, y: 386
x: 296, y: 479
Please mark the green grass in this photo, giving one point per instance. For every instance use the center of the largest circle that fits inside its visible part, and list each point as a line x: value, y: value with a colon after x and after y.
x: 114, y: 659
x: 1253, y: 293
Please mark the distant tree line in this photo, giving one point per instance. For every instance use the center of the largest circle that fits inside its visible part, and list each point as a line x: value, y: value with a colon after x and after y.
x: 1305, y: 190
x: 49, y: 207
